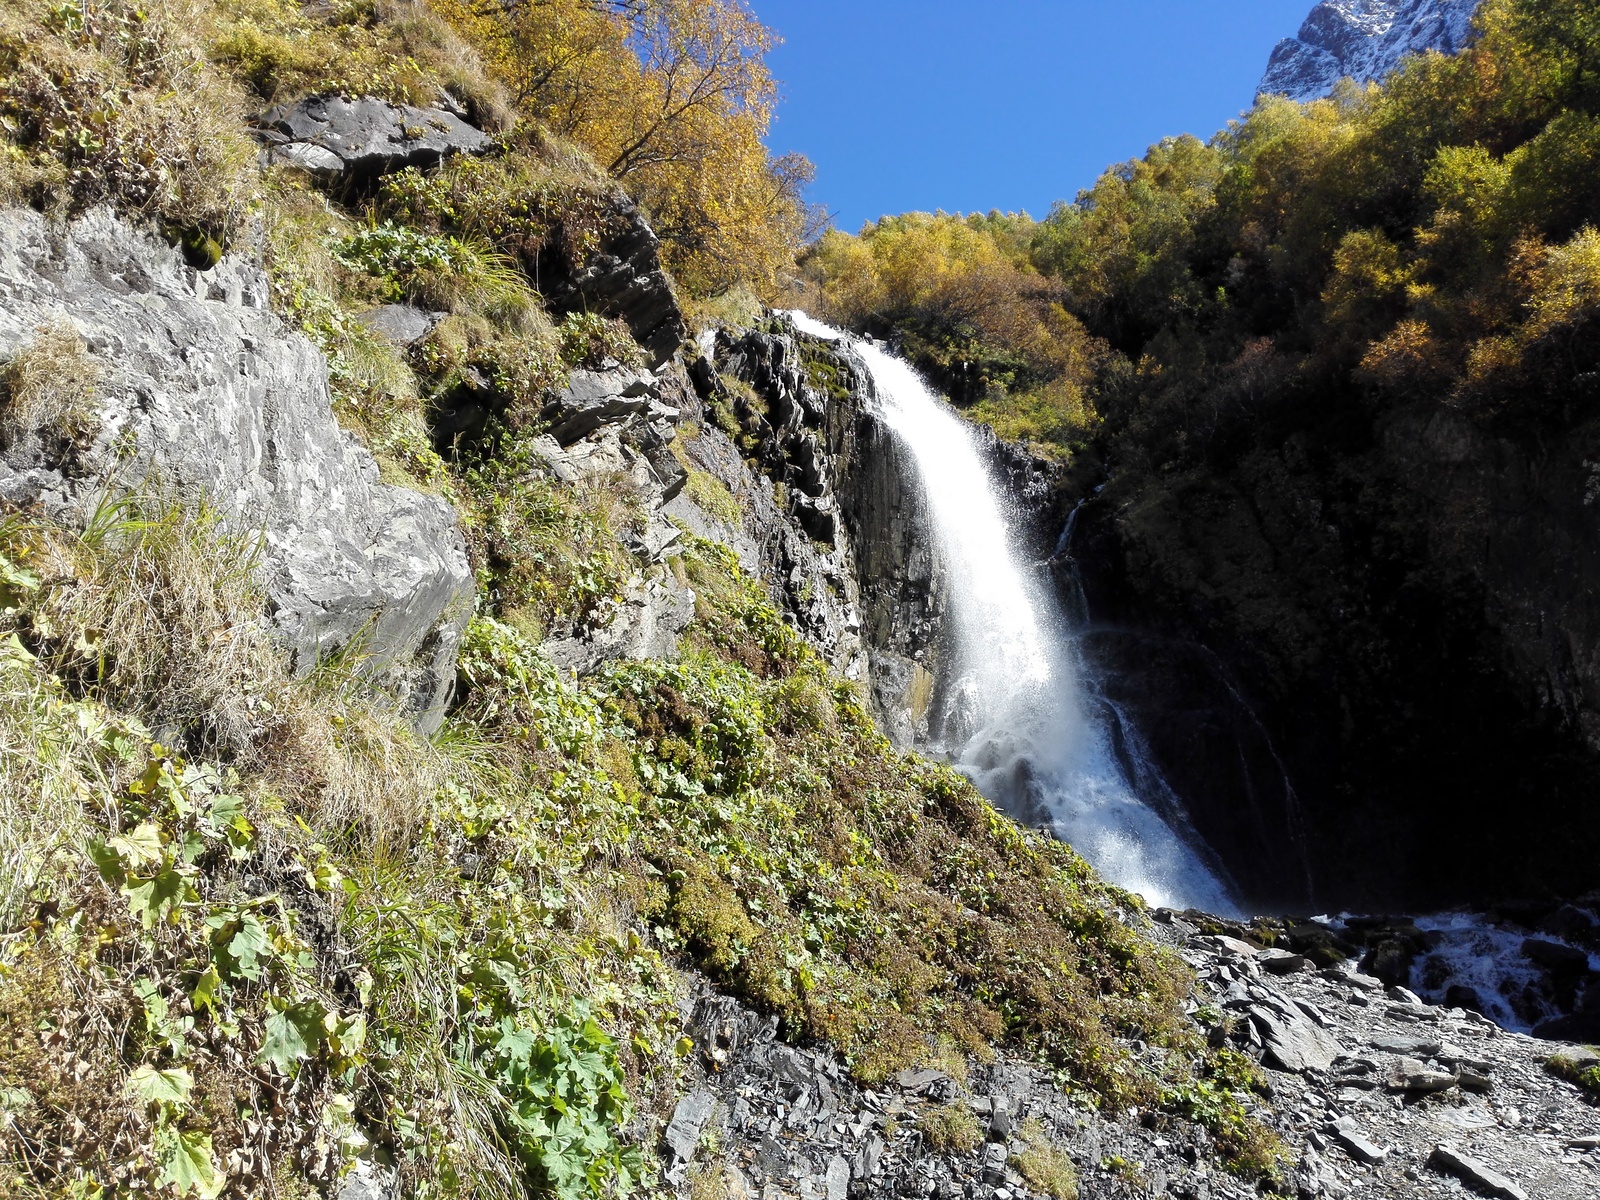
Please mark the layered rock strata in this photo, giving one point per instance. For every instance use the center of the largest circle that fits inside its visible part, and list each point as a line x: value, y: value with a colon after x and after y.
x: 207, y: 397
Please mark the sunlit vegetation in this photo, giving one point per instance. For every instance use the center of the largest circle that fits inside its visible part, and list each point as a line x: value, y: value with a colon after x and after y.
x: 672, y: 97
x: 969, y: 309
x: 1431, y: 237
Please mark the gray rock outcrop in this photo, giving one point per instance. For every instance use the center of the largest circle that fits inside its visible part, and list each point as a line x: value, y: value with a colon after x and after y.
x: 209, y: 397
x: 1364, y: 40
x: 331, y: 135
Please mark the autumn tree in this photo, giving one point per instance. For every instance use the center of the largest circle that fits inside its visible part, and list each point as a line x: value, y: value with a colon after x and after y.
x: 672, y: 98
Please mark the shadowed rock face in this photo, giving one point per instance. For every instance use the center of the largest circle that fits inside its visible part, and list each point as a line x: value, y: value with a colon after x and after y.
x: 1403, y: 609
x: 208, y: 396
x: 622, y: 277
x: 1363, y: 40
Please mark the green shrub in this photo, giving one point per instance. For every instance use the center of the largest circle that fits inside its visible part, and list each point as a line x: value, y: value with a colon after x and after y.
x: 565, y: 1104
x: 550, y: 551
x: 1564, y: 1066
x: 1215, y: 1097
x: 590, y: 340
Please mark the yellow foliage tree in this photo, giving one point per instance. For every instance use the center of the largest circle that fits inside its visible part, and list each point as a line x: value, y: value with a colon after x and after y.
x: 671, y: 97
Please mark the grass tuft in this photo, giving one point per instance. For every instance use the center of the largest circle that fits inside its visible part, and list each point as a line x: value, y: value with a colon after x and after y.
x: 1046, y: 1167
x: 49, y: 386
x: 950, y: 1129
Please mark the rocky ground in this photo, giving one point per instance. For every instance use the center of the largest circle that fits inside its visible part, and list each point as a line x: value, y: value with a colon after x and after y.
x: 1375, y: 1094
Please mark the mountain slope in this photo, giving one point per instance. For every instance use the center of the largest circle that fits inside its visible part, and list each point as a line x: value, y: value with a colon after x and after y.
x: 1363, y: 40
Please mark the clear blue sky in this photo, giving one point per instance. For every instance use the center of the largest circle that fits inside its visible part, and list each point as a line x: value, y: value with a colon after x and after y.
x: 970, y: 105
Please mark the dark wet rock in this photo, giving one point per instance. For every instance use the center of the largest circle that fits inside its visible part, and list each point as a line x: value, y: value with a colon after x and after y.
x: 328, y: 135
x: 621, y: 277
x: 240, y: 416
x: 1556, y: 958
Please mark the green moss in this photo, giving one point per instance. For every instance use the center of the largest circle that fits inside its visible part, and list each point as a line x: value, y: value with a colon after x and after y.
x: 824, y: 374
x: 1574, y: 1071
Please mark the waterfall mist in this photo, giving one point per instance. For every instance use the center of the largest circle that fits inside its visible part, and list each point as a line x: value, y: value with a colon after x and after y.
x: 1014, y: 716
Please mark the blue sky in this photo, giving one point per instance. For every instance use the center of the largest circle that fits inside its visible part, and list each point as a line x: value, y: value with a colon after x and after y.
x: 976, y: 104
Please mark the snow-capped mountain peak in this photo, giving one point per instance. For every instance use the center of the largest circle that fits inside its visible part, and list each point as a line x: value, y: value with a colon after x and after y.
x: 1365, y: 40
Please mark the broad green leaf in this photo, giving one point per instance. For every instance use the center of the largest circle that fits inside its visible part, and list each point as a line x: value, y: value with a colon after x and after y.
x: 154, y: 899
x: 139, y: 848
x: 347, y: 1036
x: 250, y: 945
x: 108, y: 862
x: 186, y: 1163
x: 207, y: 988
x: 291, y: 1035
x: 161, y: 1087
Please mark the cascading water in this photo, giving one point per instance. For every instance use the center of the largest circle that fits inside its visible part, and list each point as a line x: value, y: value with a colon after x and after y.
x: 1015, y: 720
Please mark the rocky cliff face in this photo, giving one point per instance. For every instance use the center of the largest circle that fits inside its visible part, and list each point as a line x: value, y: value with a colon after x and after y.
x: 1363, y: 40
x: 206, y: 395
x: 1366, y: 655
x: 854, y: 559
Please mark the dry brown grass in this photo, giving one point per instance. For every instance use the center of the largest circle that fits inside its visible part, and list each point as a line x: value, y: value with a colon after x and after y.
x: 157, y: 611
x: 49, y: 386
x: 117, y: 102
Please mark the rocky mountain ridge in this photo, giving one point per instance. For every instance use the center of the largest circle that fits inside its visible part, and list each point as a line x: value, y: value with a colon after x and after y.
x: 1364, y: 40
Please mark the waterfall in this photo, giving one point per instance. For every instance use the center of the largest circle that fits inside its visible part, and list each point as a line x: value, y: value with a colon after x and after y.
x: 1014, y: 717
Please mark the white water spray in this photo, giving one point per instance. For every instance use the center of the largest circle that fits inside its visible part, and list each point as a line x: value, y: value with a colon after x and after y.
x: 1014, y: 718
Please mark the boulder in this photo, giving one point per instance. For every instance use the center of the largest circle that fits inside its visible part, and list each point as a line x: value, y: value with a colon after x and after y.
x: 595, y: 398
x: 689, y: 1120
x: 1282, y: 962
x: 1359, y: 1147
x: 330, y: 135
x: 1410, y: 1075
x: 1295, y: 1043
x: 403, y: 324
x: 209, y: 397
x: 1555, y: 957
x: 1480, y: 1178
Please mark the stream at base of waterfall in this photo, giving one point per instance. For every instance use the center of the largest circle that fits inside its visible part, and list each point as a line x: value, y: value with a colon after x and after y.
x: 1015, y: 717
